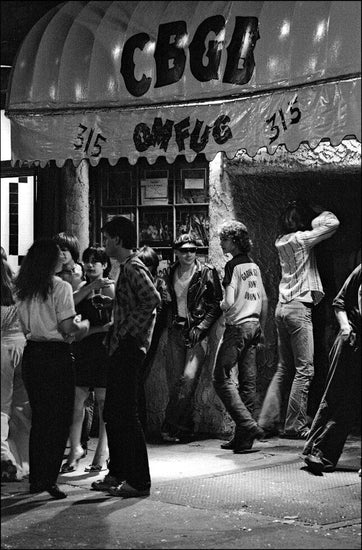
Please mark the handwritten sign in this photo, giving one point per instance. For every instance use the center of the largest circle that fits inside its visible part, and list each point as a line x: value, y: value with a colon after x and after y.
x: 154, y: 191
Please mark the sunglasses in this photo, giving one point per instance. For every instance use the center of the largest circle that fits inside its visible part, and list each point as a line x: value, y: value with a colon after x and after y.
x: 186, y: 250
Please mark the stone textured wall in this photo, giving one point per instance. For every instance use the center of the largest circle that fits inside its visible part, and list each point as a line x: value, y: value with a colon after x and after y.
x: 254, y: 191
x: 76, y: 183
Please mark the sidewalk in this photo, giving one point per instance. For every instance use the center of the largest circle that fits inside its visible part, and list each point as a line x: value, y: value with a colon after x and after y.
x: 201, y: 497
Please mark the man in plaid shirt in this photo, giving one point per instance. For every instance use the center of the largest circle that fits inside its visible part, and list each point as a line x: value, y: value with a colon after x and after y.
x: 134, y: 314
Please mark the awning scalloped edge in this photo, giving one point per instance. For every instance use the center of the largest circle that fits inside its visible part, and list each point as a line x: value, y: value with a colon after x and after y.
x: 191, y: 157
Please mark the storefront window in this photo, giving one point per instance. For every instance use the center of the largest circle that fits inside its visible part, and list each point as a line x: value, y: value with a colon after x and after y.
x: 163, y: 200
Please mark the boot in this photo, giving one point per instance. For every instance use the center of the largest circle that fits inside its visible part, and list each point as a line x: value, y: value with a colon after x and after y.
x: 245, y: 443
x: 229, y: 445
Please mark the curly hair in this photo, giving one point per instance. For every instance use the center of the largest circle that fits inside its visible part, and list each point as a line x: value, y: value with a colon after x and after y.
x: 238, y: 232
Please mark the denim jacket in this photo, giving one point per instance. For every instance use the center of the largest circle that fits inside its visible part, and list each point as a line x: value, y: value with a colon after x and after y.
x: 203, y: 296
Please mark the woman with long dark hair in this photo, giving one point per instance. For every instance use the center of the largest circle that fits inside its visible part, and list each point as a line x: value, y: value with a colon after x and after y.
x: 47, y: 316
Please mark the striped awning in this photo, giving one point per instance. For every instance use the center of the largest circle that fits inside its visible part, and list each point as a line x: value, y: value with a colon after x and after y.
x: 148, y: 79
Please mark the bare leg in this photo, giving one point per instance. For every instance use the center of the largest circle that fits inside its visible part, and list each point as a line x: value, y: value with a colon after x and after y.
x: 76, y: 450
x: 101, y: 454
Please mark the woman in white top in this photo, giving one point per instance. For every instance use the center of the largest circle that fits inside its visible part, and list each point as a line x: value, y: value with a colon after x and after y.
x: 47, y: 316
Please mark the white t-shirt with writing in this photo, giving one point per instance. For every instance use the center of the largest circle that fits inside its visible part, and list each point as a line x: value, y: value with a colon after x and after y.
x: 243, y: 275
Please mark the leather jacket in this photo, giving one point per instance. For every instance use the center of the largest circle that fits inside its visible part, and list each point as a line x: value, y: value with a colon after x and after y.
x: 203, y: 296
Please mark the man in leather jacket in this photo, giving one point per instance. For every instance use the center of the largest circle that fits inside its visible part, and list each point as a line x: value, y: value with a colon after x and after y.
x: 196, y: 294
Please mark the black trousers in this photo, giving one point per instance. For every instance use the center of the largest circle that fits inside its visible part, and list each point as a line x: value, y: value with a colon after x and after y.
x: 340, y: 406
x: 49, y: 378
x: 128, y: 459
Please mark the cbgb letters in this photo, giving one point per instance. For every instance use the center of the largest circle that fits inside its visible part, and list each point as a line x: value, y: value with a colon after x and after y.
x: 170, y: 55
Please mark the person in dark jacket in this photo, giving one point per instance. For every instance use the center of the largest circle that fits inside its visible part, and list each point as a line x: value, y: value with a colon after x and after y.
x: 340, y: 406
x: 196, y: 293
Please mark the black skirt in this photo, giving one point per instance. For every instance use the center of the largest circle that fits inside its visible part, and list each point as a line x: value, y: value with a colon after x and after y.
x: 91, y: 361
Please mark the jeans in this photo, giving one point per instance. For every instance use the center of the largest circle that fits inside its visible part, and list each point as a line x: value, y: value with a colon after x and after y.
x: 49, y: 377
x: 238, y: 350
x: 15, y: 407
x: 184, y: 369
x: 128, y: 459
x: 295, y: 370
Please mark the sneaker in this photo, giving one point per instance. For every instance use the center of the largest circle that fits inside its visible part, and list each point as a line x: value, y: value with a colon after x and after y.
x: 105, y: 484
x: 125, y: 490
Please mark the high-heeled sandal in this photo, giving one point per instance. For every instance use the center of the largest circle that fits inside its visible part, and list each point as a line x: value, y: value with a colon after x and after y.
x: 97, y: 467
x: 71, y: 466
